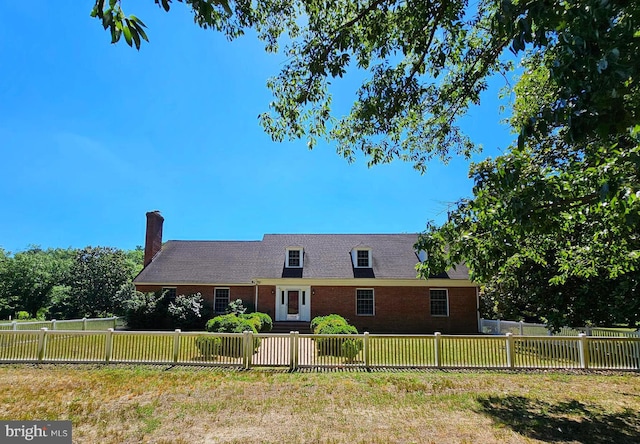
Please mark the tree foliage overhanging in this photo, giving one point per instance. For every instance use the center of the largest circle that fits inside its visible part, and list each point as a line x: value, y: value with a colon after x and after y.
x: 552, y: 227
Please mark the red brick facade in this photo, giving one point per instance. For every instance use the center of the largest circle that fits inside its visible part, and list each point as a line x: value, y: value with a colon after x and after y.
x: 400, y: 309
x: 396, y: 309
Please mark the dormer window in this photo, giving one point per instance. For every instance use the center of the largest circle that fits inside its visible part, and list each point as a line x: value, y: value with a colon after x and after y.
x: 422, y: 255
x: 362, y: 258
x: 295, y: 257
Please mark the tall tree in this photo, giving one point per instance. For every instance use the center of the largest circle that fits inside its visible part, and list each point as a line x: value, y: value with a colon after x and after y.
x: 136, y: 259
x: 29, y: 277
x: 561, y: 210
x: 96, y: 275
x: 6, y: 303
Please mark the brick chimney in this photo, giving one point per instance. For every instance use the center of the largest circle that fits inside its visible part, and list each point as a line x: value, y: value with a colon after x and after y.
x: 153, y: 239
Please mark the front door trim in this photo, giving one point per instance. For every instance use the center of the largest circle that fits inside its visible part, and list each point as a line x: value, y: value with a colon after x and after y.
x: 282, y: 303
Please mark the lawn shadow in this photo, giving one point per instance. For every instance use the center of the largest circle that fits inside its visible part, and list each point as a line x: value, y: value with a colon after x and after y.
x: 564, y: 421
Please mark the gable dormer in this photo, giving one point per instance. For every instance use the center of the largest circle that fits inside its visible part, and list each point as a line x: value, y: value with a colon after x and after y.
x: 294, y: 257
x: 362, y: 257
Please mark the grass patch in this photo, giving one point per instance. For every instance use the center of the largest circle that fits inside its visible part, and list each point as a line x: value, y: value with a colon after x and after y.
x: 154, y: 404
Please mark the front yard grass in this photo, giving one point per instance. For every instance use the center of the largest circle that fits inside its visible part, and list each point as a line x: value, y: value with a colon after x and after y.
x: 137, y: 404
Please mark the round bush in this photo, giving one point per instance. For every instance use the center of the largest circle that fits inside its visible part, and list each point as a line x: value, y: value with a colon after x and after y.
x: 23, y: 316
x: 266, y: 323
x: 223, y: 323
x: 209, y: 346
x: 331, y: 319
x: 255, y: 321
x: 333, y: 346
x: 350, y: 348
x: 231, y: 323
x: 245, y: 325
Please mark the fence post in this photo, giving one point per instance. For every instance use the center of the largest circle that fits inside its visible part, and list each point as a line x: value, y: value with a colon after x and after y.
x: 510, y: 357
x: 176, y: 344
x: 115, y: 322
x: 42, y: 343
x: 247, y: 340
x: 53, y: 324
x: 296, y: 349
x: 436, y: 339
x: 108, y: 345
x: 583, y: 350
x: 521, y: 328
x: 587, y: 330
x: 84, y: 323
x: 365, y: 349
x: 499, y: 327
x: 292, y: 351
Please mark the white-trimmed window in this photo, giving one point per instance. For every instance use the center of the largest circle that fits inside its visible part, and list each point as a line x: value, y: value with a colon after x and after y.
x: 295, y: 257
x: 361, y: 258
x: 169, y: 293
x: 365, y: 304
x: 439, y: 302
x: 220, y: 300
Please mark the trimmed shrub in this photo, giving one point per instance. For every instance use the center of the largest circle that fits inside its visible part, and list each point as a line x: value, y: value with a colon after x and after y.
x: 223, y: 323
x: 254, y: 321
x: 332, y: 319
x: 351, y: 347
x: 267, y: 322
x: 231, y: 323
x: 245, y: 325
x: 209, y: 346
x: 23, y: 316
x: 261, y: 321
x: 342, y: 347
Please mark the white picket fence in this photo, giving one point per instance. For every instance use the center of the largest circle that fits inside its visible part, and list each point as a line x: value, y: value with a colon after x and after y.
x: 298, y: 351
x: 501, y: 327
x: 70, y: 324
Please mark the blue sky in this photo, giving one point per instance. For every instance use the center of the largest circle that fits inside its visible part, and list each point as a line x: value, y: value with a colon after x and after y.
x: 93, y: 135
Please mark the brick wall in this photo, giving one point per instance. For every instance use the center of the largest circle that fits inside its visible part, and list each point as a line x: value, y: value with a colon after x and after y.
x: 267, y: 300
x: 400, y: 310
x: 397, y: 309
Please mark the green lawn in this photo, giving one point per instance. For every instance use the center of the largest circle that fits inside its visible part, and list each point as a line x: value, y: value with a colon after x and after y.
x: 122, y: 404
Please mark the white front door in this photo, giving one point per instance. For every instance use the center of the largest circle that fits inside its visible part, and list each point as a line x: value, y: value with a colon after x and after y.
x: 293, y: 303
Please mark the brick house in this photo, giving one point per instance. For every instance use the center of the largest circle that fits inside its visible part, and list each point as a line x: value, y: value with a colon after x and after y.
x: 370, y: 279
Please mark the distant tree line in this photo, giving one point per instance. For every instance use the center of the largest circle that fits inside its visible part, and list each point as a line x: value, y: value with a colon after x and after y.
x: 59, y: 283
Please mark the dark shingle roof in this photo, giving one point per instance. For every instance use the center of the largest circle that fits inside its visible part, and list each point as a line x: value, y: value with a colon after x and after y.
x: 329, y: 255
x: 202, y: 262
x: 326, y: 256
